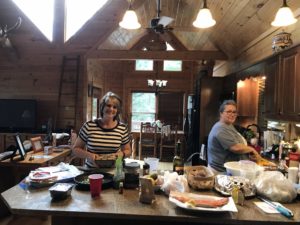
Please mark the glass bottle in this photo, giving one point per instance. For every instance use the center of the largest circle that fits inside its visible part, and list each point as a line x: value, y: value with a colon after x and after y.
x: 178, y: 164
x: 235, y: 192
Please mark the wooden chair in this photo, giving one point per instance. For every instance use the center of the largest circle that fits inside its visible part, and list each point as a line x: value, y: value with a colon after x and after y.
x: 168, y: 139
x: 148, y: 138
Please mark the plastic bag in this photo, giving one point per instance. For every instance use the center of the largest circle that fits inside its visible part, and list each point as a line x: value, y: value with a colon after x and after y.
x: 275, y: 186
x: 174, y: 182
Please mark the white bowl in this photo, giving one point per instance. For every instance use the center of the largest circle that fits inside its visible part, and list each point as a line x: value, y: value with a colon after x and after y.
x: 243, y: 168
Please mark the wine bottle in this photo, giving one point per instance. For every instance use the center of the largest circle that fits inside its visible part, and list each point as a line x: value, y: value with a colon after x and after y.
x: 178, y: 164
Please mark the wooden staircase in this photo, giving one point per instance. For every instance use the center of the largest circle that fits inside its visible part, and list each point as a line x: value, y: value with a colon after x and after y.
x: 66, y: 110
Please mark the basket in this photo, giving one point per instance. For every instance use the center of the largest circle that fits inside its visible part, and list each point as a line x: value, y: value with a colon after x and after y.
x: 200, y: 177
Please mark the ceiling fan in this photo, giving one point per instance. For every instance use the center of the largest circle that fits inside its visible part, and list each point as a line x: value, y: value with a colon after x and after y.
x: 4, y: 33
x: 160, y: 24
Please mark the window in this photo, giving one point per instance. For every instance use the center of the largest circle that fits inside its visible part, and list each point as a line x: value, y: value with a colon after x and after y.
x: 148, y: 107
x: 41, y: 13
x: 96, y: 97
x: 143, y: 109
x: 143, y: 65
x: 95, y: 108
x: 172, y: 65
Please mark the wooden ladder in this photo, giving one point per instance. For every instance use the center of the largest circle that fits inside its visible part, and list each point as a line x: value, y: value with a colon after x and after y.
x: 66, y: 111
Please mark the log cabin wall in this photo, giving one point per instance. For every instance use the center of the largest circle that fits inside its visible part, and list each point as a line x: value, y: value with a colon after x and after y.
x: 39, y: 82
x: 120, y: 77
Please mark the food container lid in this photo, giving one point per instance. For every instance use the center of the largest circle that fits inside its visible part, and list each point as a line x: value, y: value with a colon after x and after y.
x: 132, y: 165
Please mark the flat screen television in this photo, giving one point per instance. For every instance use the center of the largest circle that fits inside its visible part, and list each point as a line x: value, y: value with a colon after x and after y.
x: 17, y: 115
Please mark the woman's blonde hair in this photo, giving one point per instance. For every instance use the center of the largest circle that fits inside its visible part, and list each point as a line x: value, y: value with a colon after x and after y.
x: 104, y: 100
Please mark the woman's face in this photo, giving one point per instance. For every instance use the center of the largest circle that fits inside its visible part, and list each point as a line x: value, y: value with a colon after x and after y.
x: 110, y: 109
x: 229, y: 114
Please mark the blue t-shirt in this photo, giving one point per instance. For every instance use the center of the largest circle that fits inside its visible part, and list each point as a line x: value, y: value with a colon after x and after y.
x: 221, y: 137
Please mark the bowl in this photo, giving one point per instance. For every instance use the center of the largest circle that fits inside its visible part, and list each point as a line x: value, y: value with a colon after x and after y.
x: 61, y: 191
x: 200, y: 177
x: 243, y: 168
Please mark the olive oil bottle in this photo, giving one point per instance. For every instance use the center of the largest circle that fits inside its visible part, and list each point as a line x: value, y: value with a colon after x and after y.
x: 178, y: 163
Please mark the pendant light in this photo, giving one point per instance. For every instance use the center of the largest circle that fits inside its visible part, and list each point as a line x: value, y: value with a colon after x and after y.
x: 204, y: 18
x: 284, y: 16
x: 130, y: 20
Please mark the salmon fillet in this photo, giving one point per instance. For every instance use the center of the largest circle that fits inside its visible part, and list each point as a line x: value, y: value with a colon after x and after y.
x: 199, y: 201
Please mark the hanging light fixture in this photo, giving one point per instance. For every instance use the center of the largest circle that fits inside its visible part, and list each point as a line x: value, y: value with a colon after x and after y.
x: 157, y: 84
x: 204, y: 18
x: 130, y: 20
x: 284, y: 16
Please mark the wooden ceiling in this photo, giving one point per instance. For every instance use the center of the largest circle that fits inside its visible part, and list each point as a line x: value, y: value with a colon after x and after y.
x: 238, y: 24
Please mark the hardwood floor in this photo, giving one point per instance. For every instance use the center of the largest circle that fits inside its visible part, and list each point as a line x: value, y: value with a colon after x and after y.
x: 25, y: 220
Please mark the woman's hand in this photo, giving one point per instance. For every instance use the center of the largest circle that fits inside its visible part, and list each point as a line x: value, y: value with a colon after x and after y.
x: 255, y: 156
x: 120, y: 154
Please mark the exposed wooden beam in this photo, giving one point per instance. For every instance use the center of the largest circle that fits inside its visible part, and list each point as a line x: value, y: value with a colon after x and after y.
x: 157, y: 55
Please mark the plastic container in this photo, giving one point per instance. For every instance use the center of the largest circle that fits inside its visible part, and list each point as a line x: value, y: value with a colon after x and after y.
x: 131, y: 171
x: 153, y: 163
x: 61, y: 190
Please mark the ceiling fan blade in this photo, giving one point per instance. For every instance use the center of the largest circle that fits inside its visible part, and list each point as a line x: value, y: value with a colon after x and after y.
x: 165, y: 20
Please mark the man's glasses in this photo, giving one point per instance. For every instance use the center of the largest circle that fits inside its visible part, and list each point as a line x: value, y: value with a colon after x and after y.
x: 231, y: 112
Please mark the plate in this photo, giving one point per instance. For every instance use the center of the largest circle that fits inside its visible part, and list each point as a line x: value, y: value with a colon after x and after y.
x: 229, y: 207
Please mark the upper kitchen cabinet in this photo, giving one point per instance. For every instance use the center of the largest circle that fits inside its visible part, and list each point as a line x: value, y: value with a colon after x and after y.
x: 289, y: 80
x: 247, y: 97
x: 271, y: 88
x: 282, y: 95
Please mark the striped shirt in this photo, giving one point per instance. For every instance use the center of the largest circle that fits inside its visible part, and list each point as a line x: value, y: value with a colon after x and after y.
x: 101, y: 140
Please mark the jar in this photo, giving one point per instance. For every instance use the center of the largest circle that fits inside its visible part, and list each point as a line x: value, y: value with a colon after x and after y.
x: 146, y: 169
x: 131, y: 171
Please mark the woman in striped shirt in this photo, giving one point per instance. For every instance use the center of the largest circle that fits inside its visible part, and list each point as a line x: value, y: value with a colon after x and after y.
x: 106, y: 135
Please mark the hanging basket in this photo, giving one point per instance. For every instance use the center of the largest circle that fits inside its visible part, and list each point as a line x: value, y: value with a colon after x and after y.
x: 281, y: 41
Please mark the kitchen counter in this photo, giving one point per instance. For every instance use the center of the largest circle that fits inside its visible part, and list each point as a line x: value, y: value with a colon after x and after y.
x: 115, y: 208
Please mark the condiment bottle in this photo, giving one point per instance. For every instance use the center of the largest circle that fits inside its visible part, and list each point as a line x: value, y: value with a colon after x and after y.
x: 121, y: 187
x: 241, y: 195
x: 178, y: 164
x: 119, y: 174
x: 235, y: 192
x: 146, y: 169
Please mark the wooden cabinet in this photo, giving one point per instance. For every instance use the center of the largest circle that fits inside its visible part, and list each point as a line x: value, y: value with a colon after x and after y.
x: 282, y: 93
x: 271, y: 88
x: 289, y: 85
x: 247, y: 97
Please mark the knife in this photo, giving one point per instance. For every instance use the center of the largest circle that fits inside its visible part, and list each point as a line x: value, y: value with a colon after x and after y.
x: 283, y: 210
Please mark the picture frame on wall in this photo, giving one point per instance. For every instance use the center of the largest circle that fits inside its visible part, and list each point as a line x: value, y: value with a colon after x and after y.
x: 37, y: 144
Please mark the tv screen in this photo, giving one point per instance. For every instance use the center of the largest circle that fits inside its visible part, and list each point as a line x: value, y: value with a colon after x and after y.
x: 17, y: 115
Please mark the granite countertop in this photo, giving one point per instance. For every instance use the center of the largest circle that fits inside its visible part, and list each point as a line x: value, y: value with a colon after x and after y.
x: 126, y: 206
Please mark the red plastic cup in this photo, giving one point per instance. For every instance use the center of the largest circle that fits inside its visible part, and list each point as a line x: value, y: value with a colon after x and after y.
x: 95, y: 184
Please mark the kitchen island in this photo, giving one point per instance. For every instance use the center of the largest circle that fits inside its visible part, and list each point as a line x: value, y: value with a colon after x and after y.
x: 114, y: 208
